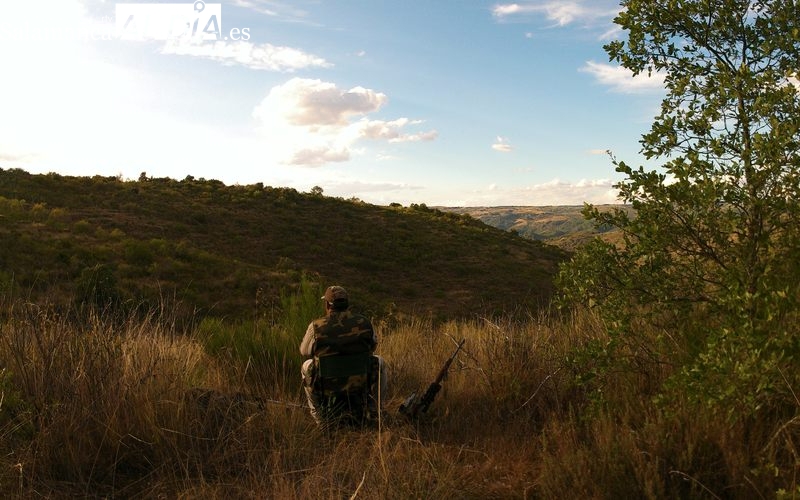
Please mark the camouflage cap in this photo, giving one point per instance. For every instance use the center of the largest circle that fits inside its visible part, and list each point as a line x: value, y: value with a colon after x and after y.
x: 334, y: 293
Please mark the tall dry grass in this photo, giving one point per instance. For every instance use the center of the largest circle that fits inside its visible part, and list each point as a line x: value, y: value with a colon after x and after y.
x: 138, y: 409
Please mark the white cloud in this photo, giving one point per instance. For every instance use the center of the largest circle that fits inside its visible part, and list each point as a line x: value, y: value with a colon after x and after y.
x: 314, y: 103
x: 382, y: 191
x: 502, y: 145
x: 622, y: 80
x: 561, y: 13
x: 392, y: 131
x: 318, y: 156
x: 263, y: 56
x: 375, y: 191
x: 558, y: 192
x: 611, y: 34
x: 11, y: 155
x: 285, y: 10
x: 429, y: 135
x: 309, y: 122
x: 554, y: 192
x: 385, y: 157
x: 509, y: 9
x: 260, y: 6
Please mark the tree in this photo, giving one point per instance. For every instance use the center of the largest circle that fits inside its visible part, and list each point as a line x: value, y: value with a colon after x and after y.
x: 711, y: 256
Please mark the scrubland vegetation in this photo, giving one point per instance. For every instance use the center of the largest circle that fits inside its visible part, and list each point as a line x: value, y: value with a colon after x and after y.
x: 230, y: 250
x: 137, y: 408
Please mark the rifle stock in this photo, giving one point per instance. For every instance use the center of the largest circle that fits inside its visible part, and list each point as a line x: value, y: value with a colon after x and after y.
x: 414, y: 404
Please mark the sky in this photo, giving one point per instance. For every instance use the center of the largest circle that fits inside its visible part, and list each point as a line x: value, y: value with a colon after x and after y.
x: 442, y: 102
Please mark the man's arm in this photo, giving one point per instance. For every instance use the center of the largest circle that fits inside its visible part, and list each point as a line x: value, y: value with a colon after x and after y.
x: 366, y: 324
x: 307, y: 345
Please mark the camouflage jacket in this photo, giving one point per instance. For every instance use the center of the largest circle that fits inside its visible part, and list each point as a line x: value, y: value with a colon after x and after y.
x: 340, y: 332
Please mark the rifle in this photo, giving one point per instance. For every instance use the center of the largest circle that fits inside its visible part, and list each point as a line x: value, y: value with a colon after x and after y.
x: 414, y: 405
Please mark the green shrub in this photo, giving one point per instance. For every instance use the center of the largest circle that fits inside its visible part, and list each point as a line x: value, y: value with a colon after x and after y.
x: 82, y: 226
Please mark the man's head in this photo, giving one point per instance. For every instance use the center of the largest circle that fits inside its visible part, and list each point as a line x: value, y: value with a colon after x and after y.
x: 336, y: 298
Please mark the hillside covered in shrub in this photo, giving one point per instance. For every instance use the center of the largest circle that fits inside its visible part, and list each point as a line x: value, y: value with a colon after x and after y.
x: 563, y: 226
x: 233, y: 250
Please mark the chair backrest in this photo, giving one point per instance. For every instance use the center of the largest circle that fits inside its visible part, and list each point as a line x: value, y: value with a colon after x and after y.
x: 343, y: 372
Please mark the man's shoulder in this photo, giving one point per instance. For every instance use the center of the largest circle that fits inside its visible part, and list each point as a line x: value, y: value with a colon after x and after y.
x: 360, y: 318
x: 319, y: 321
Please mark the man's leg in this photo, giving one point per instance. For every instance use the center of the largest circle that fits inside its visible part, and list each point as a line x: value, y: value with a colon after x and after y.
x: 308, y: 386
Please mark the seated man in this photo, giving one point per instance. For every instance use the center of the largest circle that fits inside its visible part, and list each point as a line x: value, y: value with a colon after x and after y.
x: 340, y: 333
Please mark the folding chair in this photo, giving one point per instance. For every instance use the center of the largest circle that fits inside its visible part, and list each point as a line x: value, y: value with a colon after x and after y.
x: 343, y: 384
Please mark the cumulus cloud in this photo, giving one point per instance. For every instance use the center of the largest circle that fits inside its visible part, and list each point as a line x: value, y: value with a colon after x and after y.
x: 502, y: 145
x: 307, y: 102
x: 263, y: 56
x: 312, y: 122
x: 620, y: 79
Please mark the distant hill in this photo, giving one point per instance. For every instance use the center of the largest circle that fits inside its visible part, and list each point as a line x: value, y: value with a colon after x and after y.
x: 234, y: 250
x: 563, y: 226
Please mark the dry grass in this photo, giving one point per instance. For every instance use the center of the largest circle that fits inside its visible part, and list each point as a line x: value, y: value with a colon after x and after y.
x: 139, y: 410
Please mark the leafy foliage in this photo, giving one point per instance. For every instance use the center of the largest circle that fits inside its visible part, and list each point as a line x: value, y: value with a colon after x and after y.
x: 711, y: 256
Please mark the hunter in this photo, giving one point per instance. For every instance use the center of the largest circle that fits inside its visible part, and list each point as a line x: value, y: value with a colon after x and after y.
x: 340, y: 332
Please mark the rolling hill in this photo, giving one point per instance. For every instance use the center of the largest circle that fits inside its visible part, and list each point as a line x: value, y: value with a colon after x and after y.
x: 234, y: 251
x: 562, y: 226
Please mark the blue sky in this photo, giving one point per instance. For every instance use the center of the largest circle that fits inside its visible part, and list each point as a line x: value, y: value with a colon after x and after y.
x: 458, y: 103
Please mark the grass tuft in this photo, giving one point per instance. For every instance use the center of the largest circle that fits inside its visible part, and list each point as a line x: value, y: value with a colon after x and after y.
x: 137, y: 408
